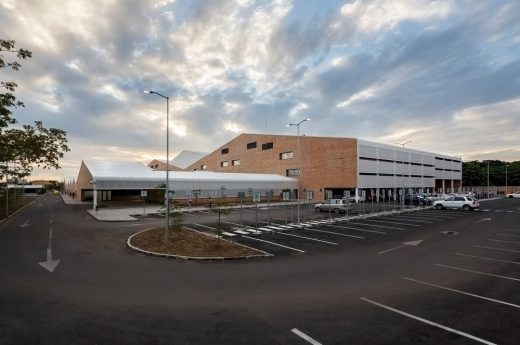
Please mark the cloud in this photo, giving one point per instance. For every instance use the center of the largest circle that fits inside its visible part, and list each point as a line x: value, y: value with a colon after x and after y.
x: 380, y: 70
x: 376, y: 15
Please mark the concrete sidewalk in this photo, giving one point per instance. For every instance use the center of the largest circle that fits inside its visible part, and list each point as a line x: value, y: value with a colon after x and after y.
x: 69, y: 201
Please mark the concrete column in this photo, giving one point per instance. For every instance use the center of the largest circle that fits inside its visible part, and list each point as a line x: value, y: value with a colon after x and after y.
x: 443, y: 186
x: 95, y: 203
x: 452, y: 188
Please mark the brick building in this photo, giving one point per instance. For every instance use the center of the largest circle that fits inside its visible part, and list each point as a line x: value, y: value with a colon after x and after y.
x: 338, y: 165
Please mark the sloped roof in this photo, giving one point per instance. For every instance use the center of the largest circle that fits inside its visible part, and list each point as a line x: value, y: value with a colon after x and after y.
x: 134, y: 175
x: 187, y: 158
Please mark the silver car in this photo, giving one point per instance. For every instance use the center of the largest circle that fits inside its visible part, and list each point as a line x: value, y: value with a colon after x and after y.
x: 462, y: 202
x: 333, y: 205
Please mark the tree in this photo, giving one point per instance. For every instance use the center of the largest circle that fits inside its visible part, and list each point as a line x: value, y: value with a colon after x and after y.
x: 26, y: 146
x: 220, y: 209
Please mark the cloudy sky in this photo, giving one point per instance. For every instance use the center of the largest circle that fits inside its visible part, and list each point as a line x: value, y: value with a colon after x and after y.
x: 444, y: 74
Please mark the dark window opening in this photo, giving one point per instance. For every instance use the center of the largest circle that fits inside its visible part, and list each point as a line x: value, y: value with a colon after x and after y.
x: 224, y: 151
x: 267, y: 146
x: 251, y: 145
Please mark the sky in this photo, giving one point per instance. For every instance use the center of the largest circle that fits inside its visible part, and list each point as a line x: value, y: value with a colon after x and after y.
x: 443, y: 74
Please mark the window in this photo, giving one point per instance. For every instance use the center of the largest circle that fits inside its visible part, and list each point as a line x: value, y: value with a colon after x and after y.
x: 367, y: 174
x: 156, y: 166
x: 367, y: 159
x: 286, y: 155
x: 224, y: 151
x: 292, y: 172
x: 224, y: 164
x: 203, y: 167
x: 267, y: 146
x: 251, y: 145
x: 235, y: 162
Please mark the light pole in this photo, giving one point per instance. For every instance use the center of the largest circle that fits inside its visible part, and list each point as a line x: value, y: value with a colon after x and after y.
x: 409, y: 164
x: 488, y: 179
x: 461, y: 163
x: 167, y: 188
x: 506, y: 179
x: 299, y: 160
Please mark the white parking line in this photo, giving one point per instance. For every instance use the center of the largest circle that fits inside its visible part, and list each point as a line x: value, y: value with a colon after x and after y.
x: 502, y: 241
x: 304, y: 336
x: 364, y: 230
x: 307, y: 238
x: 385, y: 221
x: 335, y: 233
x: 464, y: 293
x: 435, y: 216
x: 410, y: 220
x: 490, y: 259
x: 428, y: 218
x: 231, y: 223
x: 431, y: 323
x: 204, y: 226
x: 377, y: 226
x: 501, y: 249
x: 275, y: 244
x: 478, y: 272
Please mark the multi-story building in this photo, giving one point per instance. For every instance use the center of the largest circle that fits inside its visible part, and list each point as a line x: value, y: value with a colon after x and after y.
x: 337, y: 166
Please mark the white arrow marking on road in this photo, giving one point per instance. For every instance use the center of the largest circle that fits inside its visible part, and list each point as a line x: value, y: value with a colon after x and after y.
x: 411, y: 243
x: 25, y: 224
x: 50, y: 265
x: 483, y: 220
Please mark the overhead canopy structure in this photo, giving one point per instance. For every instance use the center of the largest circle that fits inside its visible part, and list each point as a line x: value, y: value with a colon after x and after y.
x: 134, y: 176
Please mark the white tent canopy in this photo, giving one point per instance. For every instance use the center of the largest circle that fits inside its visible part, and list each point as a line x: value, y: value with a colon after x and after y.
x: 110, y: 175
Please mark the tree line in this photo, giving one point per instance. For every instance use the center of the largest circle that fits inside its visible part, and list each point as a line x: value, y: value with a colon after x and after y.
x: 475, y: 173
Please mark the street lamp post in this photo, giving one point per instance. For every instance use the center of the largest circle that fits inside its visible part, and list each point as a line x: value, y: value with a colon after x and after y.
x: 506, y: 180
x: 167, y: 188
x: 409, y: 167
x: 488, y: 179
x: 461, y: 163
x: 299, y: 160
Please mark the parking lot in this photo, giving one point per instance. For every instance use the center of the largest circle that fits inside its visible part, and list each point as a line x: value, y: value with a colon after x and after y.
x: 453, y: 275
x: 425, y: 276
x: 277, y: 231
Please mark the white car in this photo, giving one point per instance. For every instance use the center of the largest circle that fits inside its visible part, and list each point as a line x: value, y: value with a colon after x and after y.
x: 462, y: 202
x: 514, y: 195
x: 334, y: 205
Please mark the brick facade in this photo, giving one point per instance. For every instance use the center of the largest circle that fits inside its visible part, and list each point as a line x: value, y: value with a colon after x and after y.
x: 327, y: 163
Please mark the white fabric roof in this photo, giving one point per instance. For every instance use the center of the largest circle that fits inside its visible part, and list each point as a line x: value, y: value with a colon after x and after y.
x: 134, y: 175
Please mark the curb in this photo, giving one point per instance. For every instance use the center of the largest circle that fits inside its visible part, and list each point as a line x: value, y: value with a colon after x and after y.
x: 184, y: 257
x: 16, y: 212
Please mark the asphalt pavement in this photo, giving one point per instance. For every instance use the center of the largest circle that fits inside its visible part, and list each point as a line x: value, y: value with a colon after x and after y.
x: 427, y: 277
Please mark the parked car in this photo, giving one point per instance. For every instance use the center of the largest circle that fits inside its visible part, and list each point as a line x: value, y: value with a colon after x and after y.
x: 436, y: 197
x: 462, y: 202
x: 414, y: 198
x: 334, y: 205
x: 355, y: 199
x: 514, y: 195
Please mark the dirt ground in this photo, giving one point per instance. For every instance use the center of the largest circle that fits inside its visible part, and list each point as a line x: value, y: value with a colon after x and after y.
x: 186, y: 242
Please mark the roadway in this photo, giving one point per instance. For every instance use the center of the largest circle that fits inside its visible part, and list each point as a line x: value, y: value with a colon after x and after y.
x: 66, y: 278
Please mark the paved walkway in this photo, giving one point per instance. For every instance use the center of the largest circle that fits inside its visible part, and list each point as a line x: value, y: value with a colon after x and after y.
x: 69, y: 201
